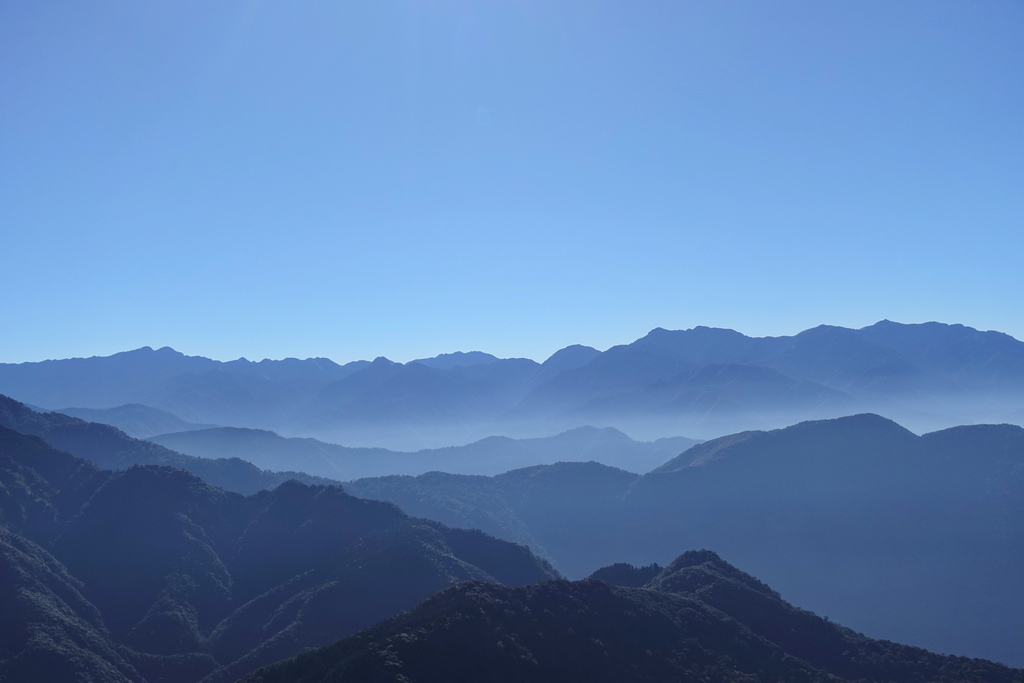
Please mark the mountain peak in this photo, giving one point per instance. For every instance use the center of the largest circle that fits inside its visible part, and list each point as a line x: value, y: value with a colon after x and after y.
x: 701, y: 334
x: 698, y: 570
x: 853, y: 431
x: 142, y: 351
x: 569, y: 358
x: 456, y: 359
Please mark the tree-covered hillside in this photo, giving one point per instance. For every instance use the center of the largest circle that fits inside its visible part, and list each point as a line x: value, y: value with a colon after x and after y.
x: 699, y: 619
x: 153, y: 574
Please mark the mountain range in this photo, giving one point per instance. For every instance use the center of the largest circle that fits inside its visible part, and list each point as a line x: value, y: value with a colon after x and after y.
x: 247, y: 460
x: 110, y: 448
x: 125, y: 559
x: 492, y: 455
x: 925, y: 533
x: 702, y: 382
x: 148, y: 573
x: 135, y: 419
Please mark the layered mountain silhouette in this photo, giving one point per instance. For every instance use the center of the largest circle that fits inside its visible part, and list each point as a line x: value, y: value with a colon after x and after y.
x: 109, y: 447
x: 701, y: 382
x: 135, y: 420
x: 698, y: 619
x: 925, y: 533
x: 488, y: 456
x: 149, y: 573
x: 152, y: 574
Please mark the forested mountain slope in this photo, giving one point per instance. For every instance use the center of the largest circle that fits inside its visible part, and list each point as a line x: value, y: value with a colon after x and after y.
x: 151, y: 573
x: 699, y: 619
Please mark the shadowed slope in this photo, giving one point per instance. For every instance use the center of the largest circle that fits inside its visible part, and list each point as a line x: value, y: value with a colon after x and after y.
x: 48, y: 631
x: 194, y: 581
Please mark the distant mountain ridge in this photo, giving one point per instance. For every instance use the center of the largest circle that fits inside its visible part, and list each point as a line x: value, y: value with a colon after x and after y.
x: 701, y: 382
x: 492, y: 455
x: 135, y: 420
x: 107, y: 447
x: 452, y: 360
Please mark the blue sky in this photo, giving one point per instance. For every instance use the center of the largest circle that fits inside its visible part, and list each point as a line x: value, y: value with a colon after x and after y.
x: 353, y: 179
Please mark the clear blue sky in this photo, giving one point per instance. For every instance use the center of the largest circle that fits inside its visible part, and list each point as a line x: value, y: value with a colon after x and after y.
x: 353, y: 179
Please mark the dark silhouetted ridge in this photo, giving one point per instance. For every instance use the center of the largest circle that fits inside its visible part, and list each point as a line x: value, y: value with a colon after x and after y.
x: 591, y: 631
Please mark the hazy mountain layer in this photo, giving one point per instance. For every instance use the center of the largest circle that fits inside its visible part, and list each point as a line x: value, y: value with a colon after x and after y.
x: 701, y: 382
x: 488, y: 456
x: 135, y: 420
x: 926, y: 533
x: 153, y: 574
x: 108, y: 447
x: 699, y: 619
